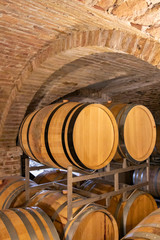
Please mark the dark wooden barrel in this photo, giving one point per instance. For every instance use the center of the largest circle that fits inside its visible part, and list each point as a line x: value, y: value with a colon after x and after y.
x: 26, y: 223
x: 12, y: 192
x: 147, y: 229
x: 127, y: 213
x: 50, y: 176
x: 90, y: 222
x: 66, y: 134
x: 137, y: 131
x: 139, y: 176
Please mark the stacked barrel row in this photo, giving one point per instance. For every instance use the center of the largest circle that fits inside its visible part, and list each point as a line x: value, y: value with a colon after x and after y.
x: 22, y: 223
x: 128, y: 213
x: 86, y: 136
x: 45, y: 216
x: 93, y: 220
x: 120, y: 216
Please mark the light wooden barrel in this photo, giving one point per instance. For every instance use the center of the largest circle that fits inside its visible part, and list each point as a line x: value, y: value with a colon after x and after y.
x: 66, y: 134
x: 91, y: 222
x: 12, y: 192
x: 139, y: 176
x: 127, y: 213
x: 26, y: 223
x: 147, y: 229
x: 137, y: 131
x: 156, y: 151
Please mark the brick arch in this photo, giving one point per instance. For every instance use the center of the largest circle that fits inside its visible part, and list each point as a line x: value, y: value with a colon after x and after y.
x: 60, y: 52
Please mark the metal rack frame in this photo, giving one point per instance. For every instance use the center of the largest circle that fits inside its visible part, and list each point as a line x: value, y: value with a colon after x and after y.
x: 91, y: 197
x: 107, y: 196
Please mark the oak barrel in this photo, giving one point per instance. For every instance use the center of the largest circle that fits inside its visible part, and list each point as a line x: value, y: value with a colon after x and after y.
x: 26, y: 223
x: 137, y: 131
x: 63, y: 134
x: 12, y: 192
x: 50, y: 176
x: 147, y: 229
x: 127, y: 213
x: 156, y: 151
x: 139, y: 176
x: 90, y: 222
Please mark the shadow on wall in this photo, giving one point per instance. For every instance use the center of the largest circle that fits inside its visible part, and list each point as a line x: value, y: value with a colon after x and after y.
x: 104, y: 74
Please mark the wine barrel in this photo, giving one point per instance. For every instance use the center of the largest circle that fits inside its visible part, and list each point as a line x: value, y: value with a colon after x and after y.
x: 50, y: 176
x: 147, y: 229
x: 137, y: 131
x: 12, y: 192
x: 26, y: 223
x: 90, y: 222
x: 127, y: 213
x: 156, y: 151
x: 82, y: 135
x: 139, y: 176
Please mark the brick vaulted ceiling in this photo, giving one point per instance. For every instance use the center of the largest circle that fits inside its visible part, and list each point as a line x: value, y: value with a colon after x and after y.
x: 49, y: 49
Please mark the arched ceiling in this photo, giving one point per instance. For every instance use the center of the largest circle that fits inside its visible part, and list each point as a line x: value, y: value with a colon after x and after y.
x: 51, y: 48
x: 110, y: 76
x: 103, y: 74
